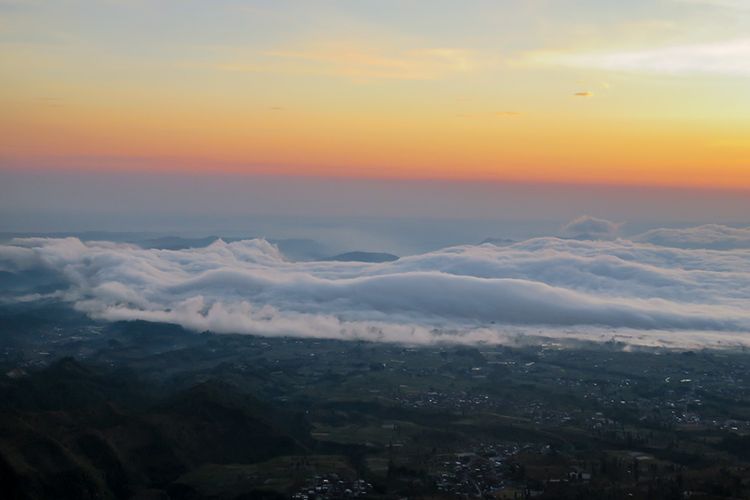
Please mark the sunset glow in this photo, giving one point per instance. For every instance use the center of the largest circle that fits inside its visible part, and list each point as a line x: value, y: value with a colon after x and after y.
x: 636, y: 93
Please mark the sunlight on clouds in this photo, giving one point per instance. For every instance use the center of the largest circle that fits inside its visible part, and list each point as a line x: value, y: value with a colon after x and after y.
x: 732, y: 4
x: 724, y: 58
x: 361, y: 63
x: 194, y: 90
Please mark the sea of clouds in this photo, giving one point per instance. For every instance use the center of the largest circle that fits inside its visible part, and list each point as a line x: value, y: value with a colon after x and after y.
x: 683, y: 288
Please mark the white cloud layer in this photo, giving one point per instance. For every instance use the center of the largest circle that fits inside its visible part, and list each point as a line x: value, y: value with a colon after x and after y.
x: 714, y: 236
x: 546, y: 287
x: 587, y: 227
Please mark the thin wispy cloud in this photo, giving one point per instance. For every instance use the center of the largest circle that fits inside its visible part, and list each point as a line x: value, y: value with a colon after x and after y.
x: 730, y: 57
x: 730, y: 4
x: 360, y: 63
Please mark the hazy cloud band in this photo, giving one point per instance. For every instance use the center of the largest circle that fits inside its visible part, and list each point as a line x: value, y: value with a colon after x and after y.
x: 551, y: 287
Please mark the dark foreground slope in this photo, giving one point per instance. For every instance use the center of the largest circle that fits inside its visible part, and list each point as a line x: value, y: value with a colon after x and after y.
x: 78, y: 431
x: 140, y: 410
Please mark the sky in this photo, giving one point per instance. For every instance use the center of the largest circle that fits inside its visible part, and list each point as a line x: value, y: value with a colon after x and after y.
x: 650, y: 93
x: 544, y: 168
x: 395, y: 125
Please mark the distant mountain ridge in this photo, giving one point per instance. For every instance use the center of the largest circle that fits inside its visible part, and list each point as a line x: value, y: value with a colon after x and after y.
x: 498, y: 241
x: 360, y: 256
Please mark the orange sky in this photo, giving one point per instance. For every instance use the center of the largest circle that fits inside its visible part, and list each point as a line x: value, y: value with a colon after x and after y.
x: 655, y: 95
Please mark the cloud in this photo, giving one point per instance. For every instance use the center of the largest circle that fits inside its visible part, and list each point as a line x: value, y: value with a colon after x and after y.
x: 728, y: 4
x: 727, y: 57
x: 544, y: 287
x: 343, y: 60
x: 584, y: 94
x: 13, y: 258
x: 591, y: 228
x: 711, y: 236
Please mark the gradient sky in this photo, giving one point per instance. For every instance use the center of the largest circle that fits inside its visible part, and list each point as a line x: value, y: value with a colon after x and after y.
x: 649, y: 93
